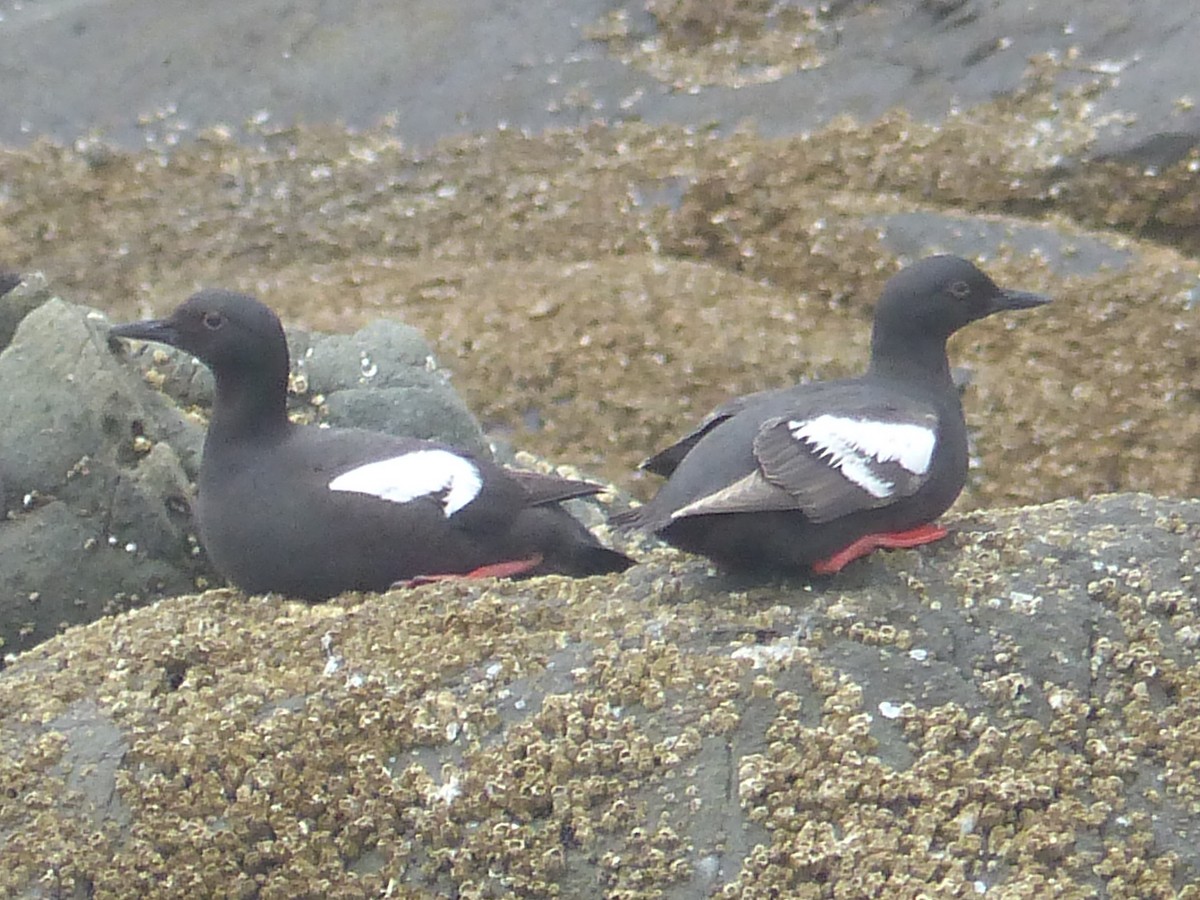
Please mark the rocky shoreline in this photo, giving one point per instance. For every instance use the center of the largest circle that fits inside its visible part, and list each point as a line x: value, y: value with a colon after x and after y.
x: 1013, y: 712
x: 587, y: 237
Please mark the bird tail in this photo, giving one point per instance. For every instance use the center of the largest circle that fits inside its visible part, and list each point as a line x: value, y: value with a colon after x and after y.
x: 639, y: 518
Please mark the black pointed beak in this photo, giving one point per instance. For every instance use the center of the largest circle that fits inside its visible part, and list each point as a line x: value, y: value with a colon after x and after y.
x: 1018, y: 300
x: 161, y: 331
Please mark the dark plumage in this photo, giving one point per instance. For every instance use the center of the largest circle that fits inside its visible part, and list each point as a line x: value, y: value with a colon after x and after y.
x: 311, y: 512
x: 813, y: 476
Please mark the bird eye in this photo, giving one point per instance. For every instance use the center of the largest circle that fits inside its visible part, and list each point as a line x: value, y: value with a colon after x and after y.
x: 213, y: 320
x: 960, y: 290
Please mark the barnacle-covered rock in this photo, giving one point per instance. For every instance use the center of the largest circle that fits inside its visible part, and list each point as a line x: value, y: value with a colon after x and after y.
x: 671, y: 730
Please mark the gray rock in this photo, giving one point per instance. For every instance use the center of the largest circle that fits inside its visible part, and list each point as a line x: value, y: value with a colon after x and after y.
x: 59, y: 568
x: 381, y: 378
x: 18, y: 296
x: 440, y: 72
x: 94, y: 523
x: 69, y: 403
x: 384, y: 377
x: 434, y: 412
x: 183, y: 379
x: 917, y: 234
x: 8, y: 281
x: 384, y: 353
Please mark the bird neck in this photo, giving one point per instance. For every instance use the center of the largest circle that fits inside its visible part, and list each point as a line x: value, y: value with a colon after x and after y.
x: 248, y: 405
x: 915, y: 358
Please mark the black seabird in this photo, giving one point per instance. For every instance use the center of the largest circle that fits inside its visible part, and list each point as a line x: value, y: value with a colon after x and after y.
x: 814, y: 476
x: 311, y: 512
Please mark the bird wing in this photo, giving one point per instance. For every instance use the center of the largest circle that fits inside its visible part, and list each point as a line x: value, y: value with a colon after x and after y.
x: 837, y: 463
x: 471, y: 493
x: 427, y: 474
x: 857, y: 454
x: 543, y: 489
x: 664, y: 461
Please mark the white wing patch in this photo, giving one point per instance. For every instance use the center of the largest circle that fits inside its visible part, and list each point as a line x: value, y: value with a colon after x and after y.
x: 851, y: 445
x: 417, y: 474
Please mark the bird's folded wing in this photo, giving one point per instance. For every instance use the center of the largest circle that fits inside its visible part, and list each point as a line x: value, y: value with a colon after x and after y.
x: 751, y: 493
x: 866, y: 455
x: 665, y: 461
x: 542, y: 488
x: 836, y: 463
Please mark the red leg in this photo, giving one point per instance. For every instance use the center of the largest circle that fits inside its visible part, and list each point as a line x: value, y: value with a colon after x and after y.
x: 890, y: 540
x: 506, y: 569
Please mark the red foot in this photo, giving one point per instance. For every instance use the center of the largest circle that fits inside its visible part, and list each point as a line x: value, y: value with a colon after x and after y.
x: 888, y: 540
x: 505, y: 569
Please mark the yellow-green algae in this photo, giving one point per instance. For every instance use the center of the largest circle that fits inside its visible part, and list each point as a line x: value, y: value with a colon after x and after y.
x: 902, y: 734
x: 559, y: 292
x: 702, y: 42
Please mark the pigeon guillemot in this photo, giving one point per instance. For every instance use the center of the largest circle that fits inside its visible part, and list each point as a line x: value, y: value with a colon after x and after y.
x: 816, y: 475
x: 311, y: 512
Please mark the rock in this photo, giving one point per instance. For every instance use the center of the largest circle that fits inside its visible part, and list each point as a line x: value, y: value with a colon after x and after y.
x: 556, y: 65
x: 59, y: 568
x: 1011, y: 712
x: 94, y: 523
x: 18, y: 296
x: 384, y: 377
x: 912, y: 234
x: 8, y: 324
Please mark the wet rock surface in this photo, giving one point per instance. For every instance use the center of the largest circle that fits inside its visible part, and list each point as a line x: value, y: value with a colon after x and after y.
x: 1008, y: 712
x: 169, y: 68
x: 101, y: 445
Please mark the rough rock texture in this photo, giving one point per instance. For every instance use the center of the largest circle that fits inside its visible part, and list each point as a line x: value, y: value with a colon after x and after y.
x: 1012, y: 713
x: 384, y: 377
x: 170, y: 67
x: 8, y: 281
x: 95, y: 523
x: 96, y: 464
